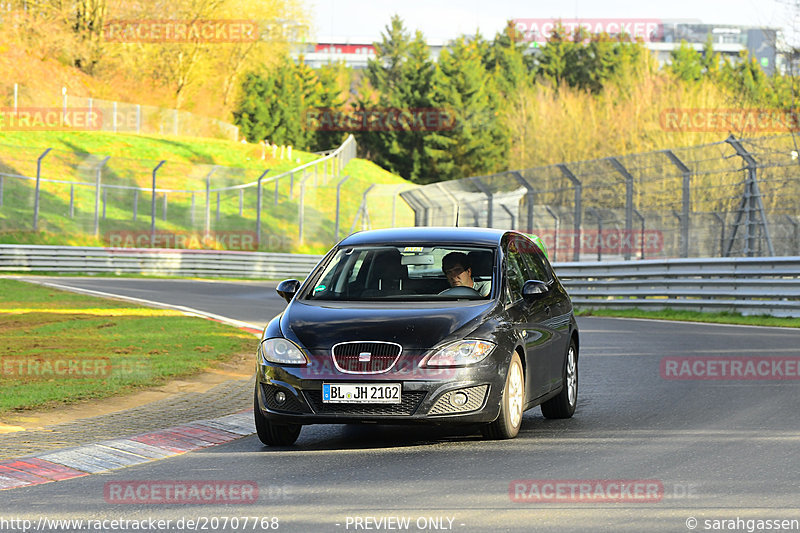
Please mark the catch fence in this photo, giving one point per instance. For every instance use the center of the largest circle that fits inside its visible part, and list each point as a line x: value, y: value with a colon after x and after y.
x: 737, y: 197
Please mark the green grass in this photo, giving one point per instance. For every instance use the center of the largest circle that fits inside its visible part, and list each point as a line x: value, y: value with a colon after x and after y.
x: 189, y: 161
x: 60, y: 347
x: 694, y: 316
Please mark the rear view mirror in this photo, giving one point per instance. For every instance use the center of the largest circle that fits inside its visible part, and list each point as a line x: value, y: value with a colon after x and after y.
x: 425, y: 259
x: 287, y: 289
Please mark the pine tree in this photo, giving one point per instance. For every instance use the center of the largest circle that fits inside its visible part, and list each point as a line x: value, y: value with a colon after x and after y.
x: 687, y: 64
x: 478, y: 143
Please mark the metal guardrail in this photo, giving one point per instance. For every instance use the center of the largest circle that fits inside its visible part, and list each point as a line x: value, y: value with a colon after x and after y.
x: 751, y: 286
x: 161, y: 262
x: 768, y: 286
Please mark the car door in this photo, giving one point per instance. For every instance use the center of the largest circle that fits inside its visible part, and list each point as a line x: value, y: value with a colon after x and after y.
x: 527, y: 317
x: 554, y: 317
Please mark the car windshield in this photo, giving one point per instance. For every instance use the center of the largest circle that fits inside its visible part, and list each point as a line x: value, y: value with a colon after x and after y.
x: 413, y: 272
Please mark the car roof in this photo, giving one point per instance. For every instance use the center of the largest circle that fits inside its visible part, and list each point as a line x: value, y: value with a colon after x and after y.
x: 437, y: 235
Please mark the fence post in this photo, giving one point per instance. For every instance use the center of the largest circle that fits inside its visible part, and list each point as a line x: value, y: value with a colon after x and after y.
x: 164, y: 214
x: 686, y: 201
x: 750, y: 204
x: 530, y: 196
x: 576, y: 221
x: 71, y: 200
x: 98, y: 174
x: 510, y: 214
x: 36, y: 196
x: 456, y: 205
x: 641, y: 237
x: 258, y: 208
x: 628, y: 199
x: 338, y: 197
x: 592, y: 211
x: 241, y: 202
x: 722, y: 233
x: 153, y: 207
x: 490, y: 198
x: 207, y: 229
x: 555, y: 237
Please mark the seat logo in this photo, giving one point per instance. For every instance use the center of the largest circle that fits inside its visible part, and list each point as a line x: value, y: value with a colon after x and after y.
x: 364, y: 357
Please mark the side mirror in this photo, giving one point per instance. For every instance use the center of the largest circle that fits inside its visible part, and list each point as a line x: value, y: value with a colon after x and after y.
x: 534, y: 289
x: 287, y: 289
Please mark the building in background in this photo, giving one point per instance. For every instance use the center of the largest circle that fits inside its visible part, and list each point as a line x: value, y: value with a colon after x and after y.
x: 764, y: 44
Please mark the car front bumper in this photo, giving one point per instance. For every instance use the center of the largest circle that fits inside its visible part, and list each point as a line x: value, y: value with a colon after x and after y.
x: 428, y: 401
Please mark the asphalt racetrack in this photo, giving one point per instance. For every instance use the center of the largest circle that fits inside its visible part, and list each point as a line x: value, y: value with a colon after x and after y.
x: 679, y: 427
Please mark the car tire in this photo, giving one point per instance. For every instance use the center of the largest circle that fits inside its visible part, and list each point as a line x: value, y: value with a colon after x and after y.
x: 511, y: 405
x: 563, y: 405
x: 270, y: 433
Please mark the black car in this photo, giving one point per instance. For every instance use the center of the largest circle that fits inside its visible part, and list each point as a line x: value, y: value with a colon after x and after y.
x: 376, y: 333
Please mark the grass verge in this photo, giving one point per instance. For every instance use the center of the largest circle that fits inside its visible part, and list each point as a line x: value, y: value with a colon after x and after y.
x: 694, y: 316
x: 61, y: 347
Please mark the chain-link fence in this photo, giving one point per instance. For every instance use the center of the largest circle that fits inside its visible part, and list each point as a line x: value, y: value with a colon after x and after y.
x: 94, y: 114
x: 131, y: 203
x: 738, y: 197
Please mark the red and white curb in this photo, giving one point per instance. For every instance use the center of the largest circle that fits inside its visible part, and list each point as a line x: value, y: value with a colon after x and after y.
x: 121, y: 453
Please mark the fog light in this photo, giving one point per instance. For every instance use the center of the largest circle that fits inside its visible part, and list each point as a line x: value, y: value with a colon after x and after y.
x: 458, y: 399
x: 280, y: 397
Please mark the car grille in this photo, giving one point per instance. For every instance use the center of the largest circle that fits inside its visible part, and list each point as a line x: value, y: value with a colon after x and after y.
x: 365, y: 357
x: 408, y: 405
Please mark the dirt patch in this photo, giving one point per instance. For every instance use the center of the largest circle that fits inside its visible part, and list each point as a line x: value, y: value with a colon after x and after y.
x: 238, y: 368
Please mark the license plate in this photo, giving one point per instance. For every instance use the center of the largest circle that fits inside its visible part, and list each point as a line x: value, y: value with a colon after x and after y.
x: 361, y: 392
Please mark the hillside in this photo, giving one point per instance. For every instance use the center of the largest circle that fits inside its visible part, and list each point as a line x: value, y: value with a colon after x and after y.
x: 183, y: 208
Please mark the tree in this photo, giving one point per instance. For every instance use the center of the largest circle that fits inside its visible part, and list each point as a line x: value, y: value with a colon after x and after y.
x: 507, y: 61
x: 478, y: 142
x: 401, y: 76
x: 687, y: 64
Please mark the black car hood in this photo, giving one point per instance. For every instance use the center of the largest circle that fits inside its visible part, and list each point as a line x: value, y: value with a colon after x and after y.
x: 415, y: 328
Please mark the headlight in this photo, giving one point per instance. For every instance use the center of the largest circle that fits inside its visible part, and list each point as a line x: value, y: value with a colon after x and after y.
x: 282, y: 351
x: 461, y: 353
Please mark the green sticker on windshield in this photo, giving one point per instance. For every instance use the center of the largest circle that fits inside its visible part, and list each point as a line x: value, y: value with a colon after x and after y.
x: 319, y: 288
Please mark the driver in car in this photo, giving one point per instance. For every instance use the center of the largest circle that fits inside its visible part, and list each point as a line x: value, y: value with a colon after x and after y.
x: 456, y: 266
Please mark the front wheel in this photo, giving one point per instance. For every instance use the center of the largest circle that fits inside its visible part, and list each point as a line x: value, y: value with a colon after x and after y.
x: 563, y: 405
x: 510, y: 419
x: 270, y: 433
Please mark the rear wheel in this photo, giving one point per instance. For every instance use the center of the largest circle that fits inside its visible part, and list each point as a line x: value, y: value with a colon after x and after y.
x: 563, y: 405
x: 510, y: 419
x: 270, y: 433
